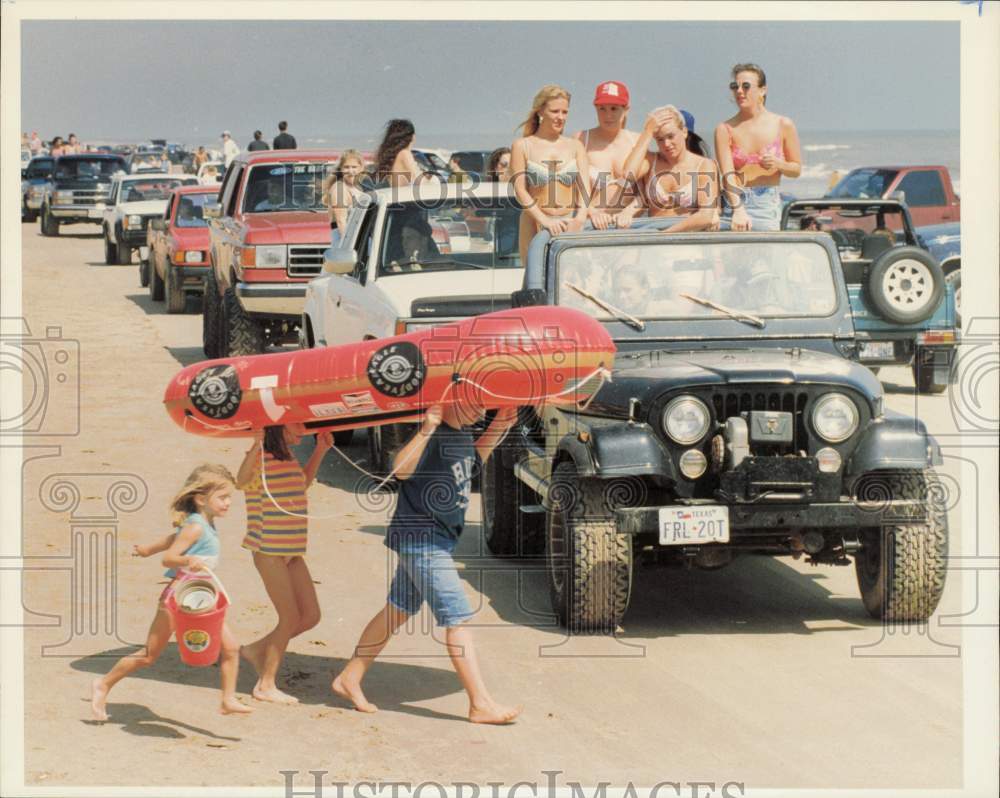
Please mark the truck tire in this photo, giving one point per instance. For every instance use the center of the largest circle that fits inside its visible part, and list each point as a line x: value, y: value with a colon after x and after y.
x: 923, y: 373
x: 176, y: 298
x: 242, y: 334
x: 144, y: 268
x: 508, y: 531
x: 110, y: 250
x: 210, y: 312
x: 901, y: 568
x: 155, y: 284
x: 124, y: 255
x: 27, y: 214
x: 49, y: 224
x: 383, y: 443
x: 905, y: 285
x: 589, y: 562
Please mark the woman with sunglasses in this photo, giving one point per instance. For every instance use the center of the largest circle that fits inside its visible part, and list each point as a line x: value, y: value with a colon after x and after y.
x: 755, y: 148
x: 675, y: 180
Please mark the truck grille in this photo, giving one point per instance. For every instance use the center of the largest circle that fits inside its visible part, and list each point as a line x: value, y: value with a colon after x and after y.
x: 733, y: 401
x: 305, y: 260
x: 89, y: 197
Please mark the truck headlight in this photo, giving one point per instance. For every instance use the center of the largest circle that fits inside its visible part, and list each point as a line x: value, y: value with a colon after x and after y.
x: 194, y: 256
x: 133, y: 221
x: 64, y: 196
x: 686, y: 420
x: 270, y: 257
x: 835, y: 417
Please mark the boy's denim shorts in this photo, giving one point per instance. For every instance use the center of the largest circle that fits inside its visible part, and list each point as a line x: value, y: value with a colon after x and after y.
x: 426, y: 572
x: 763, y: 206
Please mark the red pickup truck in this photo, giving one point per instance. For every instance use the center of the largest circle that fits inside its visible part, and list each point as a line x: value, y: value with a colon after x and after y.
x: 926, y: 190
x: 268, y: 229
x: 178, y: 248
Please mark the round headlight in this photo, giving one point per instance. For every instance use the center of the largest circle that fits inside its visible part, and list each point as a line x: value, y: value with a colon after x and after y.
x: 686, y: 420
x: 835, y: 417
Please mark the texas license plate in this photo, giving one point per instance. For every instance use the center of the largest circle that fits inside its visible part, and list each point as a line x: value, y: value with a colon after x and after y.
x: 877, y: 350
x: 691, y: 526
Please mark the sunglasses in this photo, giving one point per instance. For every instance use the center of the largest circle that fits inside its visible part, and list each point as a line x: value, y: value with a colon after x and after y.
x: 744, y: 85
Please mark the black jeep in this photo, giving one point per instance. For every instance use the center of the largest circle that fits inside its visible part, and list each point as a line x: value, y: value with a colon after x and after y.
x: 734, y: 421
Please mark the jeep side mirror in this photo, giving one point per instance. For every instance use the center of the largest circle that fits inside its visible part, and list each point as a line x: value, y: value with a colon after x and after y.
x: 211, y: 210
x: 337, y: 260
x: 528, y: 297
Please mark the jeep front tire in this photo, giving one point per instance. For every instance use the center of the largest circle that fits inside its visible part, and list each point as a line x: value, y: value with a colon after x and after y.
x: 901, y: 567
x: 589, y: 562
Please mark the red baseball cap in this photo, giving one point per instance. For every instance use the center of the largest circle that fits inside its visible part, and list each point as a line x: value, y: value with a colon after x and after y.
x: 611, y: 93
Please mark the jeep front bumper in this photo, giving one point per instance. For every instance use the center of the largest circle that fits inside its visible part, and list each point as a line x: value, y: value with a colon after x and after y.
x: 764, y: 517
x: 273, y: 300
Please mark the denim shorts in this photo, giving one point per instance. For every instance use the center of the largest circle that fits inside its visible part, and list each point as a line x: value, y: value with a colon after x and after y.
x: 763, y: 206
x: 426, y: 572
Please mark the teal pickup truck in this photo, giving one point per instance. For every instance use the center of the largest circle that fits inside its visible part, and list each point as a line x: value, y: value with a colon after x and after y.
x: 903, y: 306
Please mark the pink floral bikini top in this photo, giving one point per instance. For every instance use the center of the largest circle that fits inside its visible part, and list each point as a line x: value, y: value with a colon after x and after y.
x: 741, y: 158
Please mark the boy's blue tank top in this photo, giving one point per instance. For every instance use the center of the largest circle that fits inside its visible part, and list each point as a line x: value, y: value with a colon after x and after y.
x: 206, y: 546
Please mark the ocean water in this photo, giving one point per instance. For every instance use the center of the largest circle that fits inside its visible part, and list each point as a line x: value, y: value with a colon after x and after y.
x: 823, y: 152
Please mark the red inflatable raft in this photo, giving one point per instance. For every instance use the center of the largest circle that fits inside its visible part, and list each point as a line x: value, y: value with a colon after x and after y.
x: 503, y: 359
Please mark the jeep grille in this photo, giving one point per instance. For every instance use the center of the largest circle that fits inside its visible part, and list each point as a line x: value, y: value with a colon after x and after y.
x: 733, y: 401
x: 305, y: 260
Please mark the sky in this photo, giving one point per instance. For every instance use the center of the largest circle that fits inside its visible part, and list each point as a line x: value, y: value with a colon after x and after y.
x: 188, y: 81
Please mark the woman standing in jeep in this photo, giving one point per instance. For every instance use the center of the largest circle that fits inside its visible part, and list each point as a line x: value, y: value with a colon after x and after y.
x: 755, y: 148
x: 546, y: 167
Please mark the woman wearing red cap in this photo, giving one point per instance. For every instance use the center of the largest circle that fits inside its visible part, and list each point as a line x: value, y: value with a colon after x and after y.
x: 675, y: 180
x: 546, y: 169
x: 608, y: 146
x: 755, y: 148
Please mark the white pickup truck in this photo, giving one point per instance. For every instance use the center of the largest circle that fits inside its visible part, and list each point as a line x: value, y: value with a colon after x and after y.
x: 133, y: 202
x: 414, y: 257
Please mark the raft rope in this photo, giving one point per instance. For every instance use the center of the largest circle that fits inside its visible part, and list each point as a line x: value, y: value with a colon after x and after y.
x: 600, y: 371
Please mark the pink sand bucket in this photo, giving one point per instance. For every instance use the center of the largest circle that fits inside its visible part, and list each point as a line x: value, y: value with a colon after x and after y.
x: 197, y: 607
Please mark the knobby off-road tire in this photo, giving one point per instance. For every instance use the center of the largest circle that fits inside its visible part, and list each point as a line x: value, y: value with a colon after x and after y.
x: 243, y: 335
x: 589, y: 561
x: 210, y: 321
x: 175, y: 296
x: 155, y: 284
x: 901, y: 567
x: 383, y: 443
x: 508, y: 531
x: 923, y: 374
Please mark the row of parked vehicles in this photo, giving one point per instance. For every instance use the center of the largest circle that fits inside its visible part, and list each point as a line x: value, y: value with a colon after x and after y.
x: 742, y: 414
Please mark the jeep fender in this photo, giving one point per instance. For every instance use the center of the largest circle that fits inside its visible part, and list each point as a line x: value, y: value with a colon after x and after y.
x: 618, y: 450
x: 893, y: 442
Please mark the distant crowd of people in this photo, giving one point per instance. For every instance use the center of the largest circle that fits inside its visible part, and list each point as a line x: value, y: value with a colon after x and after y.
x: 283, y: 141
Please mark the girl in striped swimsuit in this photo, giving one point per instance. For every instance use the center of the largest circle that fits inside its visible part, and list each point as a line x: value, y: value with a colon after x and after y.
x: 276, y: 534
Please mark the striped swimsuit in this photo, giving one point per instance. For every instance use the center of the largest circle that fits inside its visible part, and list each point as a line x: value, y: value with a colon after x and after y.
x: 269, y: 530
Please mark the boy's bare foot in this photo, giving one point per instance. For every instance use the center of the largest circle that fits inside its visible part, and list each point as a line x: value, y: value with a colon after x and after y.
x: 351, y: 691
x: 273, y: 694
x: 232, y: 706
x: 493, y: 713
x: 252, y: 655
x: 98, y: 697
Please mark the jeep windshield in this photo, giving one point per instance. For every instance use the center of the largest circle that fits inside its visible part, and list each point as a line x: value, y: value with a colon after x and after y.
x: 864, y: 184
x: 850, y: 227
x: 451, y: 235
x: 140, y: 190
x: 739, y: 280
x: 285, y: 187
x: 87, y: 168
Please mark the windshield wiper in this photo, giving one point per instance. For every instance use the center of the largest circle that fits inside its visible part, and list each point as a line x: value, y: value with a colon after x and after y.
x: 439, y: 261
x: 618, y: 313
x: 739, y: 315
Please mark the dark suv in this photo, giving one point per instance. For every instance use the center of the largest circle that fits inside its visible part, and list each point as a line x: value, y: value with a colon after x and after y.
x: 78, y: 190
x: 734, y: 421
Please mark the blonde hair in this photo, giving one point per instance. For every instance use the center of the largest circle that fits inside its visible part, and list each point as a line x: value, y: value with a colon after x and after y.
x: 671, y: 110
x: 545, y: 95
x: 205, y: 479
x: 338, y: 174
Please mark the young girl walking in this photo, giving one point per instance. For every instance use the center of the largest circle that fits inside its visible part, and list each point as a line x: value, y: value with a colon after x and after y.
x: 276, y: 534
x: 206, y: 496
